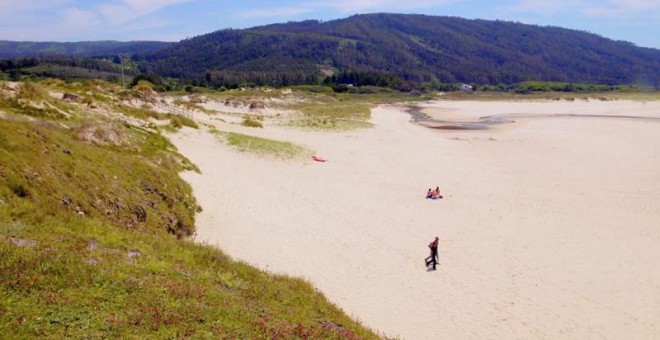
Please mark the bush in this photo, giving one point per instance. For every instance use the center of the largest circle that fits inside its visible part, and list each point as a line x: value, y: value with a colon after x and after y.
x: 31, y: 91
x: 178, y: 122
x: 251, y: 122
x: 314, y: 88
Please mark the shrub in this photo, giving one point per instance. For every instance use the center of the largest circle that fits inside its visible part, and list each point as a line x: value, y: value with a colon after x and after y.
x: 176, y: 122
x: 180, y: 121
x: 251, y: 122
x: 31, y: 91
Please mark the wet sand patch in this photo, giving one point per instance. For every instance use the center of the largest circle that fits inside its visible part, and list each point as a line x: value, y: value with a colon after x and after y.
x: 485, y: 122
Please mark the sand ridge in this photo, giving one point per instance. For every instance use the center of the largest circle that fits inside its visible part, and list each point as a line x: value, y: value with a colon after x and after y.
x: 550, y: 228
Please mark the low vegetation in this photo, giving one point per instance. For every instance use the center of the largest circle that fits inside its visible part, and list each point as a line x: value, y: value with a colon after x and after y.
x: 193, y: 104
x: 251, y: 121
x: 249, y: 93
x: 31, y: 100
x: 549, y: 95
x: 331, y: 114
x: 316, y: 107
x: 180, y: 121
x: 537, y: 86
x: 263, y: 146
x: 94, y: 221
x: 403, y: 52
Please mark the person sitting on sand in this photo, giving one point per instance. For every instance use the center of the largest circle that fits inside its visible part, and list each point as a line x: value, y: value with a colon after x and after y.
x: 429, y: 194
x: 436, y: 193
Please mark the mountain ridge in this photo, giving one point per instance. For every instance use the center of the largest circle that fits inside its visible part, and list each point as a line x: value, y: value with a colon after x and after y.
x: 25, y: 49
x: 416, y: 48
x: 397, y: 50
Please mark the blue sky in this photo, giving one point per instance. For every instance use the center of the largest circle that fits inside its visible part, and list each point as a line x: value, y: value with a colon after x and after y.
x: 637, y: 21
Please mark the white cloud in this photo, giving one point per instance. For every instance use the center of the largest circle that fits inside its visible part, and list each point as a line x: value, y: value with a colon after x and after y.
x: 115, y: 15
x: 624, y: 8
x: 636, y: 5
x: 12, y: 6
x: 342, y: 7
x: 128, y: 10
x: 62, y: 25
x: 281, y: 12
x: 74, y: 20
x: 351, y: 6
x: 359, y: 5
x: 12, y: 10
x: 608, y: 8
x: 142, y: 7
x: 545, y: 7
x: 64, y: 20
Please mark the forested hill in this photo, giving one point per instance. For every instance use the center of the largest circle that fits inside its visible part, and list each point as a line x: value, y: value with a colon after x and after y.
x: 23, y: 49
x: 412, y: 48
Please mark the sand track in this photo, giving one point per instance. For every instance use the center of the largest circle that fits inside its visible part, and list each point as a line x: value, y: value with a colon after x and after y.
x: 550, y: 228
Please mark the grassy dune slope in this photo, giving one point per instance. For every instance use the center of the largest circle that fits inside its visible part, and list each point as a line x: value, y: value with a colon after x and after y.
x: 93, y: 220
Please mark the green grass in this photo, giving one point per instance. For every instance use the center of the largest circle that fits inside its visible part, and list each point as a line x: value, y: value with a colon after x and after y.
x: 340, y: 111
x: 320, y: 108
x: 191, y: 105
x: 254, y: 122
x: 262, y: 146
x: 178, y: 122
x: 77, y: 281
x: 327, y: 123
x: 140, y: 113
x: 119, y: 183
x: 313, y: 89
x: 331, y: 115
x: 94, y: 220
x: 32, y: 100
x: 248, y: 93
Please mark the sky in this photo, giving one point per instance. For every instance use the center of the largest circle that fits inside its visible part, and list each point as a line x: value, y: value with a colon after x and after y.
x: 636, y: 21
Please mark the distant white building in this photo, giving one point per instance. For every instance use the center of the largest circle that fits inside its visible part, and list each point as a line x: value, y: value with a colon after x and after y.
x: 466, y: 87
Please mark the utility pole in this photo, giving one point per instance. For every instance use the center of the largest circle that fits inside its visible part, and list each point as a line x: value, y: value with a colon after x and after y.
x: 121, y: 60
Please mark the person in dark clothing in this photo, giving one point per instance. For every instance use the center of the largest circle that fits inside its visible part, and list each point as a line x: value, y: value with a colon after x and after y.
x: 433, y: 258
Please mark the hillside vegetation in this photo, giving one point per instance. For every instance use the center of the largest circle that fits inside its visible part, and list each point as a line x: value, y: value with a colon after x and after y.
x: 398, y: 51
x: 404, y: 51
x: 19, y: 49
x: 93, y: 225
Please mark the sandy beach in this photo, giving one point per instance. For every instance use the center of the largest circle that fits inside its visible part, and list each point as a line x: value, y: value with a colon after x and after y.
x: 549, y: 227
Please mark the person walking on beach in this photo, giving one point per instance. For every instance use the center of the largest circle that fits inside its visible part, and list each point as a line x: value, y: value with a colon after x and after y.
x: 433, y: 258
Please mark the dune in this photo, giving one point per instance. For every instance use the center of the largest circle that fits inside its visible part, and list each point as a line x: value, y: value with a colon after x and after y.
x: 549, y: 227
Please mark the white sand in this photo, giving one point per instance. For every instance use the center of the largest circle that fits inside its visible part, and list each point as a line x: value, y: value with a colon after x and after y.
x: 550, y: 227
